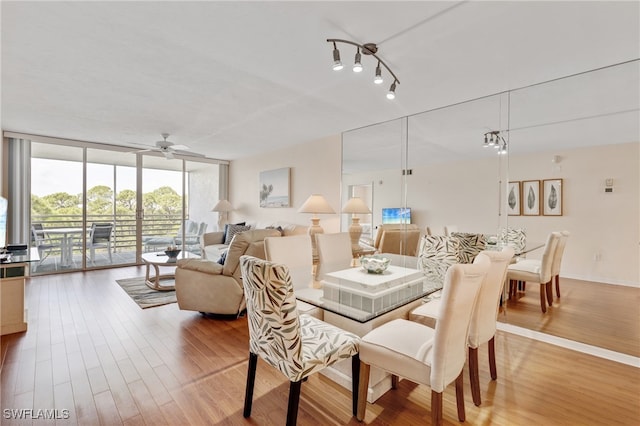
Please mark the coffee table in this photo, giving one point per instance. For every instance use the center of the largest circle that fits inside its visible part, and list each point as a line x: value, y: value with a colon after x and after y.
x: 157, y: 260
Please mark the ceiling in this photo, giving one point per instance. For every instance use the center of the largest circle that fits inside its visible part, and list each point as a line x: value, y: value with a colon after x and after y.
x: 234, y: 79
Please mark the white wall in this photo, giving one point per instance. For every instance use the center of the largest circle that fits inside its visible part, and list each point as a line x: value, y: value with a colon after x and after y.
x: 315, y: 169
x: 603, y: 224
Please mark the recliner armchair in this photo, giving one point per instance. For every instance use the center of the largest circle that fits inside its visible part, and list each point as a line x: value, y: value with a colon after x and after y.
x: 209, y: 287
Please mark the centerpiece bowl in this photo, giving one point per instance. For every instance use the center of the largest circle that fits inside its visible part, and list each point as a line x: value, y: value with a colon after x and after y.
x: 375, y: 264
x: 172, y: 253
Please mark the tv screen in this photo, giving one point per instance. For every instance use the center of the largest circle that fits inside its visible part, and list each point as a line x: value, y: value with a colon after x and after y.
x: 396, y: 215
x: 3, y: 222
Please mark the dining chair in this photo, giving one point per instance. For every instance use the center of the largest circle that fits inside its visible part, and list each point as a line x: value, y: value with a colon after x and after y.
x: 536, y: 270
x: 295, y: 251
x: 470, y: 245
x: 424, y: 355
x: 482, y: 328
x: 557, y: 260
x: 298, y: 345
x: 44, y: 244
x: 435, y: 255
x: 100, y: 236
x: 334, y: 253
x: 450, y: 229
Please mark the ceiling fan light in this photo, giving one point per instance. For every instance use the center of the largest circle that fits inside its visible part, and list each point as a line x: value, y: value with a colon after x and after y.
x: 378, y: 78
x: 357, y: 66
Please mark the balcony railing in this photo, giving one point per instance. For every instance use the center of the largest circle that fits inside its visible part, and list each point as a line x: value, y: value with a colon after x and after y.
x: 124, y: 233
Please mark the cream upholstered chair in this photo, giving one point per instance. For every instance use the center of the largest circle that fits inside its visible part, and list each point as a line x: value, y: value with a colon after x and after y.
x: 296, y: 253
x: 538, y: 271
x: 421, y: 354
x: 297, y: 345
x: 483, y: 322
x: 557, y: 260
x: 334, y: 253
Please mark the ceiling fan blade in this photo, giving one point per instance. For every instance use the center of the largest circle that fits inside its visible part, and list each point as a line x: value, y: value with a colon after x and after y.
x: 189, y: 154
x: 179, y: 147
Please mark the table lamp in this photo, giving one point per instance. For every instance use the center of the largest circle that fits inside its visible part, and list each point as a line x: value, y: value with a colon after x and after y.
x: 315, y: 204
x: 223, y: 207
x: 355, y: 206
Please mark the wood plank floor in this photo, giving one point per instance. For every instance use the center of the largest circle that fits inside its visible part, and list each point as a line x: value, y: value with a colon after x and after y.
x: 607, y: 316
x: 91, y: 350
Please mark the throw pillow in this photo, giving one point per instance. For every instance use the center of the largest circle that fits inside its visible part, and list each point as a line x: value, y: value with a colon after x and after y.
x: 223, y: 257
x: 279, y: 229
x: 226, y: 229
x: 232, y: 230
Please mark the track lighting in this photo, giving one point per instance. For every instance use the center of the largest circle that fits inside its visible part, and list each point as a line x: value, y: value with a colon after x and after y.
x: 392, y: 91
x: 364, y: 49
x: 337, y: 64
x: 495, y: 140
x: 378, y: 79
x: 357, y: 64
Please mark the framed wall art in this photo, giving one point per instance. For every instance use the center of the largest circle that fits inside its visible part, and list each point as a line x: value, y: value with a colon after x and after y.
x: 552, y: 197
x: 514, y: 207
x: 531, y: 198
x: 274, y: 188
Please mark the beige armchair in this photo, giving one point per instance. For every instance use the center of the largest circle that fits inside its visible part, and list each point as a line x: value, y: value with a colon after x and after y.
x: 208, y: 287
x: 398, y: 239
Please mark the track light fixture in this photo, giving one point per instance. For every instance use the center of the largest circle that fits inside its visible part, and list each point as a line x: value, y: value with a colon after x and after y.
x: 494, y: 139
x: 364, y: 49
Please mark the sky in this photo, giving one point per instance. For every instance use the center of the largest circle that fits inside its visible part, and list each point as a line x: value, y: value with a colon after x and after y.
x: 51, y: 176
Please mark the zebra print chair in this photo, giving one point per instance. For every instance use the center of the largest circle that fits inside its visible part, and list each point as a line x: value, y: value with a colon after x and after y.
x: 470, y: 245
x: 297, y: 345
x: 436, y: 254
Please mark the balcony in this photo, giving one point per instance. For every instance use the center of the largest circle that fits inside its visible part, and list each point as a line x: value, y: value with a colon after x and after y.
x: 123, y: 240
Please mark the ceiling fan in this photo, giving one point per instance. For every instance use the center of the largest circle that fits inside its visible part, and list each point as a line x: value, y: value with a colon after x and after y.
x: 168, y: 148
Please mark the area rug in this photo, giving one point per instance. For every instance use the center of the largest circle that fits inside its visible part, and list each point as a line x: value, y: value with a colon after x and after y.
x: 144, y: 296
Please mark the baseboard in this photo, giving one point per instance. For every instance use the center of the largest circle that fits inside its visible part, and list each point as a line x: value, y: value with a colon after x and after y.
x: 603, y: 280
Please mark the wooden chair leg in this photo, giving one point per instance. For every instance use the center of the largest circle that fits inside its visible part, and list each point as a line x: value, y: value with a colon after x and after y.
x: 558, y: 285
x: 543, y: 298
x: 460, y: 397
x: 251, y: 380
x: 474, y: 376
x: 492, y: 358
x: 294, y: 400
x: 549, y: 288
x: 363, y: 389
x: 436, y: 408
x: 394, y: 381
x: 355, y: 382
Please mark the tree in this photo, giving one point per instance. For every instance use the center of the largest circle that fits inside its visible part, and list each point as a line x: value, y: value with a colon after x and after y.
x: 63, y: 203
x: 100, y: 200
x: 164, y: 200
x: 126, y: 201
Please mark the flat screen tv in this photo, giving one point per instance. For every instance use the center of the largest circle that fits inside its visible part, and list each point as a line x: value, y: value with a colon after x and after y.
x: 396, y: 215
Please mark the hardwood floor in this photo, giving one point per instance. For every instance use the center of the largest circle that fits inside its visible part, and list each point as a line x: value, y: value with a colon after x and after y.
x: 92, y: 351
x: 607, y: 316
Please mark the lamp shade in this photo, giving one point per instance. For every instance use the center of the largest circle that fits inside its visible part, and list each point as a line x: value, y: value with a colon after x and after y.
x: 356, y: 206
x: 315, y: 204
x: 222, y: 206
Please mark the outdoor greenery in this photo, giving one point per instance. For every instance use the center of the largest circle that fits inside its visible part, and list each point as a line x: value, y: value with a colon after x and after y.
x: 161, y: 201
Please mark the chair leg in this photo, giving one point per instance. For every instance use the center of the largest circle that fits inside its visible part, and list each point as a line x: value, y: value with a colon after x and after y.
x: 363, y: 388
x: 474, y: 378
x: 294, y: 400
x: 355, y: 382
x: 436, y: 408
x: 558, y: 285
x: 549, y: 289
x: 459, y: 397
x: 251, y: 379
x: 492, y: 358
x: 543, y: 298
x: 394, y: 381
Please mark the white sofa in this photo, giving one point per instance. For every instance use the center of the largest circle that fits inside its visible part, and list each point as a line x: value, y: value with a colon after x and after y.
x: 212, y: 243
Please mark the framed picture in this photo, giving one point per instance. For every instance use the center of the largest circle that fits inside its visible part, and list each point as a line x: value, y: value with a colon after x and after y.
x: 514, y: 207
x: 274, y: 188
x: 531, y: 198
x: 552, y: 197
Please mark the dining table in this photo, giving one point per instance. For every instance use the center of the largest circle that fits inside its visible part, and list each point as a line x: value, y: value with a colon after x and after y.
x: 66, y: 236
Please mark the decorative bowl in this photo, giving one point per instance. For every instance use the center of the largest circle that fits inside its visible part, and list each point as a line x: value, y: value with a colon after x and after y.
x: 172, y: 253
x: 375, y: 264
